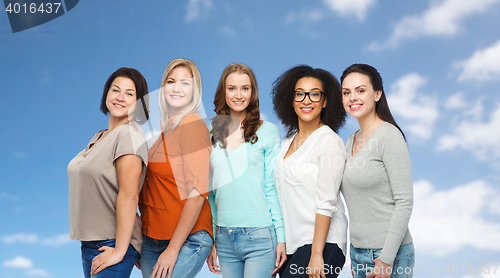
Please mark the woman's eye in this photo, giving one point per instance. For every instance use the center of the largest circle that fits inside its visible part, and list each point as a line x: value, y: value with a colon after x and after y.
x: 231, y: 89
x: 185, y: 84
x: 361, y: 91
x: 245, y: 89
x: 129, y: 94
x: 345, y: 93
x: 170, y: 82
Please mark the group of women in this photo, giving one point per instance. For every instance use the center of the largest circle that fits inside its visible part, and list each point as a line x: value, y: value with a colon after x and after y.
x: 232, y: 194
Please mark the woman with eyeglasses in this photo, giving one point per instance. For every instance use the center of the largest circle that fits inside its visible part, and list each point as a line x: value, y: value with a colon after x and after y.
x: 308, y: 172
x: 377, y: 183
x: 247, y: 217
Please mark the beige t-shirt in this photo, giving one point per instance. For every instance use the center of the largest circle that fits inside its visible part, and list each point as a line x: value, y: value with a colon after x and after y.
x: 93, y: 184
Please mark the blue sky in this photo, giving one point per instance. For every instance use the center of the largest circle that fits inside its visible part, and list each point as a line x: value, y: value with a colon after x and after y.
x: 440, y: 60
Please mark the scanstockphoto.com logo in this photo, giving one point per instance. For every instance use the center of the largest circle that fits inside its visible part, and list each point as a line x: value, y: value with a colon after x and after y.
x: 31, y: 13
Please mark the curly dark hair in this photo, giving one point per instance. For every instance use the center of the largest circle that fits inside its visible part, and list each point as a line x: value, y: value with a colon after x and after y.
x: 282, y: 93
x: 220, y: 123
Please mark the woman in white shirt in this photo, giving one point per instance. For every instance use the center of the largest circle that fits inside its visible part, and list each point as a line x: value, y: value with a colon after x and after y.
x: 308, y: 172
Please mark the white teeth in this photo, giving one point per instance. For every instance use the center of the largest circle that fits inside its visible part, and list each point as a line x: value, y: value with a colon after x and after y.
x: 306, y: 109
x: 355, y: 106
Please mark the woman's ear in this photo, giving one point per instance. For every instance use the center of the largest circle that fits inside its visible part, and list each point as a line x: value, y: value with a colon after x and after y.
x: 378, y: 95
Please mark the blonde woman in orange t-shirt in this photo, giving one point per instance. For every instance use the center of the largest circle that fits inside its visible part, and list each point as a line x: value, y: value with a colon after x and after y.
x: 176, y: 217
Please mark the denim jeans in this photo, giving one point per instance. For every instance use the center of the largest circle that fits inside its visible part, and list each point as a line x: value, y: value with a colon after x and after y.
x: 119, y: 270
x: 297, y: 263
x: 362, y: 261
x: 246, y: 252
x: 192, y: 254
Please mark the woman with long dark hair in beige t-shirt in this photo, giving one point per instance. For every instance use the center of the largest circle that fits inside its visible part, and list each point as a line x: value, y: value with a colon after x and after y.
x: 106, y: 177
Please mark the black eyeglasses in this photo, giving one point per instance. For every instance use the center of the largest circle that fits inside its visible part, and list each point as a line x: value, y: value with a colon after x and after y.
x: 314, y: 95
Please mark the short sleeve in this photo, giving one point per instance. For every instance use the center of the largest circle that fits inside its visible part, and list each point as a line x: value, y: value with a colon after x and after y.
x: 131, y: 141
x: 195, y: 150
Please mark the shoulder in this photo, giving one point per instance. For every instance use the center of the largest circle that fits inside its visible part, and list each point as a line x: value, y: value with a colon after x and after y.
x: 327, y: 137
x: 267, y: 127
x: 130, y: 128
x: 389, y: 133
x: 193, y: 117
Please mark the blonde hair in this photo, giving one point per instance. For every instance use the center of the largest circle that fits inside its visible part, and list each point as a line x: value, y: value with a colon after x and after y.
x: 191, y: 107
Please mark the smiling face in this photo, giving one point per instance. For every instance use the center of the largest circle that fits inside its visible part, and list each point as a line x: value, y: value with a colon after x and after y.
x: 358, y: 96
x: 238, y: 93
x: 306, y: 110
x: 121, y: 99
x: 178, y: 89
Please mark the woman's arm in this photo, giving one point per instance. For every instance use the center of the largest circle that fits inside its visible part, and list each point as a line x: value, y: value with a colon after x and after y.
x: 321, y: 228
x: 271, y: 152
x: 195, y: 149
x: 331, y: 161
x: 128, y: 171
x: 396, y: 159
x: 188, y: 218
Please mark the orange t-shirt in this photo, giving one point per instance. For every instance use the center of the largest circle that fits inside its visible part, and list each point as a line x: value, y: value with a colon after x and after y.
x: 178, y: 162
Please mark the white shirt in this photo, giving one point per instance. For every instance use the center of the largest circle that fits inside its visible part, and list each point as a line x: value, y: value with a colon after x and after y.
x: 308, y: 183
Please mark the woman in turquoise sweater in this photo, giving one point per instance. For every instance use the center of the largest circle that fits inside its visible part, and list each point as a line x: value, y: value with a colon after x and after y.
x: 250, y: 236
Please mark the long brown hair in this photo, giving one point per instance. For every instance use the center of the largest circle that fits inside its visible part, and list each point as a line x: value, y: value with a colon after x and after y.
x: 381, y: 106
x: 220, y: 123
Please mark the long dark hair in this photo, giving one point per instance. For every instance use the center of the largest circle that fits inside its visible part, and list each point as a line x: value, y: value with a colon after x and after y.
x: 220, y: 123
x: 381, y: 106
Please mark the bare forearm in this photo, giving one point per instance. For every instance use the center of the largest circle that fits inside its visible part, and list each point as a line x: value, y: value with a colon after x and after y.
x: 188, y: 218
x: 126, y: 209
x: 321, y: 228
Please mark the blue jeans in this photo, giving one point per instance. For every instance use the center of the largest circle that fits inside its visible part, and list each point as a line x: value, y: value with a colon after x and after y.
x: 362, y: 261
x: 192, y: 254
x: 246, y: 252
x: 119, y: 270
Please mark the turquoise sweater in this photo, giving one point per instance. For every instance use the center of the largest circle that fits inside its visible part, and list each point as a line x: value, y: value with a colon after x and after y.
x: 242, y: 189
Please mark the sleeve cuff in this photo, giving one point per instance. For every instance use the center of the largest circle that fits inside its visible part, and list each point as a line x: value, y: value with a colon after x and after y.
x: 325, y: 212
x: 280, y: 234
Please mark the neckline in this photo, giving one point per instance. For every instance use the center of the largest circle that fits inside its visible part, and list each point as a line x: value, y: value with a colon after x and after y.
x: 230, y: 151
x: 299, y: 148
x: 354, y: 137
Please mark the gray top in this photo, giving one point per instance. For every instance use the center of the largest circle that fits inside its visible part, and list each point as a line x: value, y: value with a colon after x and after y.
x: 378, y: 189
x: 93, y: 184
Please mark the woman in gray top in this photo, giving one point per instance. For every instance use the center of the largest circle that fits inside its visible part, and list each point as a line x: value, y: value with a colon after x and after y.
x: 377, y: 182
x: 106, y: 177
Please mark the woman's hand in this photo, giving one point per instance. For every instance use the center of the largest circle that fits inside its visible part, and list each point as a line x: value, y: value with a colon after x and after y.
x: 316, y: 266
x: 212, y: 261
x: 109, y: 257
x: 280, y: 256
x: 165, y: 264
x: 381, y: 270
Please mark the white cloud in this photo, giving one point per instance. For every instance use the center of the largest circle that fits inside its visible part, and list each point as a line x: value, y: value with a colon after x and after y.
x: 197, y: 9
x: 443, y: 19
x: 8, y: 196
x: 56, y: 240
x: 229, y: 32
x: 456, y: 101
x: 18, y: 262
x: 358, y: 8
x: 484, y: 65
x: 307, y: 16
x: 473, y: 134
x: 418, y: 111
x: 21, y: 237
x: 443, y: 221
x: 38, y: 272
